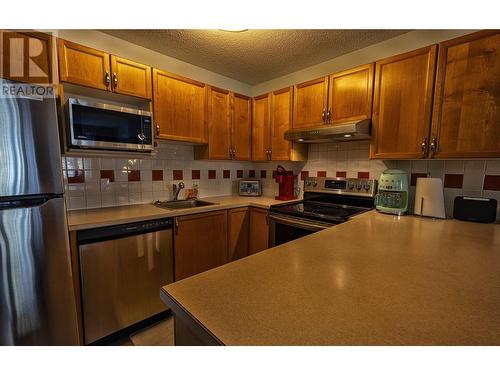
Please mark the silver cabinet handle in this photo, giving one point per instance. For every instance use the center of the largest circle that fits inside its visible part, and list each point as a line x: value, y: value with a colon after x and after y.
x: 157, y: 129
x: 230, y: 152
x: 434, y: 145
x: 176, y: 226
x: 115, y: 80
x: 107, y: 79
x: 328, y: 113
x: 423, y: 146
x: 270, y: 154
x: 323, y: 115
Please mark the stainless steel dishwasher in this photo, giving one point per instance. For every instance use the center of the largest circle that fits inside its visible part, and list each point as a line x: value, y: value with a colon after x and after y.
x: 122, y: 268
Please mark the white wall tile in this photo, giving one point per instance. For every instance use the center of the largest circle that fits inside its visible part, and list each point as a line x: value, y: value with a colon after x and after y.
x: 473, y: 174
x: 453, y: 167
x: 492, y: 167
x: 92, y: 163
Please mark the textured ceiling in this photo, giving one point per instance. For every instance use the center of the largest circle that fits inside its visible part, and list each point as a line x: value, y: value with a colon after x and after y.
x: 254, y: 56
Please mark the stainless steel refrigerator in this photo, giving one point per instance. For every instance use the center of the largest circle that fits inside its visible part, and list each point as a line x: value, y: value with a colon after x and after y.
x: 37, y: 302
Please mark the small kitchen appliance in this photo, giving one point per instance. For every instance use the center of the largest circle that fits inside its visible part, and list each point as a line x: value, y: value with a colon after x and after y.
x: 392, y: 196
x: 250, y: 188
x: 327, y: 202
x: 429, y: 198
x: 285, y: 179
x: 481, y: 210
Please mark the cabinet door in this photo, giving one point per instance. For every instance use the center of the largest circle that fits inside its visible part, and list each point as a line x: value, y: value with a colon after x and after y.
x: 238, y: 232
x: 83, y: 65
x: 259, y: 230
x: 179, y: 108
x: 466, y: 118
x: 219, y: 123
x: 242, y: 127
x: 310, y: 102
x: 281, y: 119
x: 131, y: 78
x: 260, y: 127
x: 200, y: 243
x: 402, y: 104
x: 18, y: 62
x: 351, y: 93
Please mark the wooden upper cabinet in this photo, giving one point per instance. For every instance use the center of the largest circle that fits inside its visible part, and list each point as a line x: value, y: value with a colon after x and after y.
x: 350, y: 95
x: 466, y: 117
x: 219, y: 123
x: 26, y: 56
x: 242, y: 127
x: 261, y: 127
x: 310, y: 103
x: 179, y: 108
x: 200, y: 243
x: 83, y: 65
x: 131, y: 78
x: 281, y: 119
x: 402, y: 104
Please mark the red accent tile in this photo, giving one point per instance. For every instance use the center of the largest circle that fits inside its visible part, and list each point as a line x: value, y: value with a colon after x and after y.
x: 453, y: 181
x: 363, y: 174
x: 226, y: 173
x: 76, y: 176
x: 414, y: 176
x: 239, y: 173
x: 263, y: 174
x: 251, y: 173
x: 134, y: 175
x: 212, y: 174
x: 157, y: 175
x: 321, y: 174
x: 108, y: 173
x: 195, y: 174
x: 491, y: 182
x: 341, y: 174
x: 177, y: 174
x: 304, y: 175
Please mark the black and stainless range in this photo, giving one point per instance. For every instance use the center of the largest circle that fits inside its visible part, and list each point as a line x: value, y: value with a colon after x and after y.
x: 327, y: 202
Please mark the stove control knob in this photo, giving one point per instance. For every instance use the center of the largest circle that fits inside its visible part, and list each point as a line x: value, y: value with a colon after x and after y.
x: 366, y: 186
x: 350, y: 185
x: 315, y: 184
x: 359, y: 186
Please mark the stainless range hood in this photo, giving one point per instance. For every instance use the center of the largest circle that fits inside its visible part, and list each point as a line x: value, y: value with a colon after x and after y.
x: 343, y: 132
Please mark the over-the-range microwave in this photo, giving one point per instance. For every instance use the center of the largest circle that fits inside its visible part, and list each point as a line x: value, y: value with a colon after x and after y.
x: 110, y: 127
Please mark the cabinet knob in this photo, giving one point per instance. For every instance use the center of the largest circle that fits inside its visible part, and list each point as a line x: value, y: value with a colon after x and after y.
x: 423, y: 147
x: 107, y: 79
x: 434, y: 145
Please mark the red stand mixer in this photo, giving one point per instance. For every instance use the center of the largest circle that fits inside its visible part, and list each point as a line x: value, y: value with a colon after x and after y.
x: 285, y: 179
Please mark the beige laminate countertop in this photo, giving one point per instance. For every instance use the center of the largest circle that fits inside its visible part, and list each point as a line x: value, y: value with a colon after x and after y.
x: 377, y: 279
x: 98, y: 217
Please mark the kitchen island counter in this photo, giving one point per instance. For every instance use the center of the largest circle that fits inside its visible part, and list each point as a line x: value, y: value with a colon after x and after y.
x: 374, y: 280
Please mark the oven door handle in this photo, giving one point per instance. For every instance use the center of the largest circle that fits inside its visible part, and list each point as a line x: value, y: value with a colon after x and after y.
x: 308, y: 225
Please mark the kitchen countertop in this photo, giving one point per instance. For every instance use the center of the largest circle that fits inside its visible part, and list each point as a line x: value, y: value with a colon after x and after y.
x: 99, y: 217
x: 374, y: 280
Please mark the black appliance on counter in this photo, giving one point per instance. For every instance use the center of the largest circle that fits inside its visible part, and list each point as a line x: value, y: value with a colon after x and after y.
x: 327, y: 202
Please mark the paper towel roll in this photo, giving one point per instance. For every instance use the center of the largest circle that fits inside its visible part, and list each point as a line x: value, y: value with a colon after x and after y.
x: 429, y: 197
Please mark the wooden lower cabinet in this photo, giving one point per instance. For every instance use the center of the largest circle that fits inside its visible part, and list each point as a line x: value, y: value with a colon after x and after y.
x: 238, y: 224
x: 259, y: 230
x: 200, y: 243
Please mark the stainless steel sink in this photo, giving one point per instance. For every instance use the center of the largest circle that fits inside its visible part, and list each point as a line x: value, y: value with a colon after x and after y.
x: 181, y: 204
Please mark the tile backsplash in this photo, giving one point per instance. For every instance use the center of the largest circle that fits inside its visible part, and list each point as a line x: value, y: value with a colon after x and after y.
x: 103, y: 182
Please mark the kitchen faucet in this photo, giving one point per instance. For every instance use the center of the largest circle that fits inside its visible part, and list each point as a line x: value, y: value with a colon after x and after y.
x: 177, y: 189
